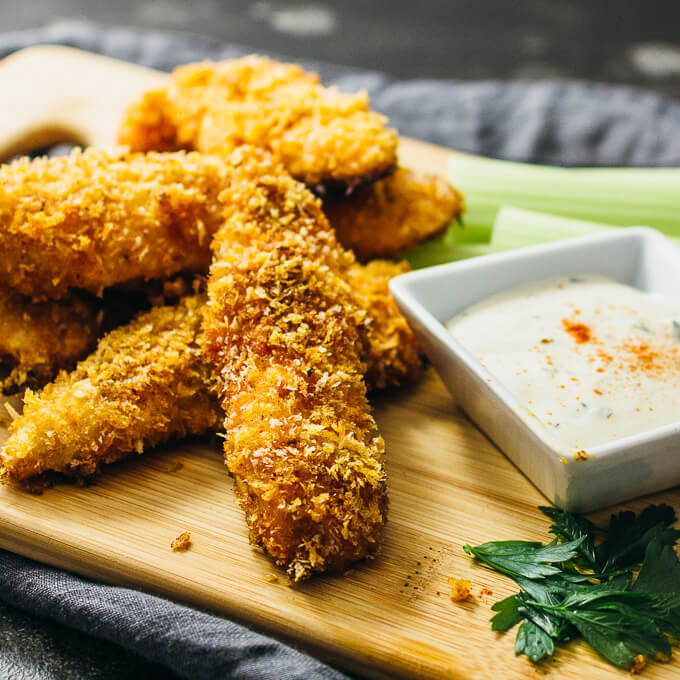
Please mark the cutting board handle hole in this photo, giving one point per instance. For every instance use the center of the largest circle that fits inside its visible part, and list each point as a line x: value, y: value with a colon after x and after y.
x: 40, y: 141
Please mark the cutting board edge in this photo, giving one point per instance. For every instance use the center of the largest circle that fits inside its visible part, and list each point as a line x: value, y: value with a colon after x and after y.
x: 98, y: 567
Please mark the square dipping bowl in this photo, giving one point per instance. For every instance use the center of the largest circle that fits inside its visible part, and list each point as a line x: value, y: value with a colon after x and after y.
x: 612, y: 472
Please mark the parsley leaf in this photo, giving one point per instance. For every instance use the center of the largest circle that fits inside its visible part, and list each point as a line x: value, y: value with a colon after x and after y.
x: 508, y: 614
x: 660, y: 575
x: 578, y: 588
x: 628, y: 536
x: 570, y: 527
x: 534, y: 642
x: 546, y: 617
x: 618, y: 638
x: 660, y: 572
x: 524, y: 558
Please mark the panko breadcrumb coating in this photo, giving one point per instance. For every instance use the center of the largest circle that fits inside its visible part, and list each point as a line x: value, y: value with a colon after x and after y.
x: 460, y: 589
x: 283, y: 331
x: 393, y: 354
x: 38, y: 339
x: 144, y: 384
x: 320, y: 135
x: 390, y: 353
x: 182, y: 542
x: 394, y: 214
x: 94, y: 219
x: 148, y: 124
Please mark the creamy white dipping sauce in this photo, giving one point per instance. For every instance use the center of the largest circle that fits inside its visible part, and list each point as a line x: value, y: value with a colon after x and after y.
x: 592, y: 359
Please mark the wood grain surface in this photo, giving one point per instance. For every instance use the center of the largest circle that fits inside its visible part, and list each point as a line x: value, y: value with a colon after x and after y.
x: 389, y: 617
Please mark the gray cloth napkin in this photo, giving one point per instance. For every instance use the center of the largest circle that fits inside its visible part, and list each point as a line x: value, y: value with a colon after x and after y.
x: 566, y: 123
x: 193, y: 644
x: 554, y: 122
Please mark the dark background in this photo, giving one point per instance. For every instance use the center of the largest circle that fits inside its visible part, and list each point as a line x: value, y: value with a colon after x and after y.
x: 626, y: 42
x: 633, y: 42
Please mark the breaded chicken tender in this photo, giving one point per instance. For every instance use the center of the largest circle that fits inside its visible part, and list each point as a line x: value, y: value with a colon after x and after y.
x: 38, y: 339
x: 94, y: 219
x: 393, y: 355
x: 149, y: 124
x: 394, y: 214
x: 284, y: 333
x: 146, y: 383
x: 321, y: 136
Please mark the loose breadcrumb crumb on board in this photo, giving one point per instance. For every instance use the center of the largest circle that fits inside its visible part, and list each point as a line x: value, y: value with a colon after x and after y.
x: 639, y: 665
x: 460, y: 589
x: 182, y: 542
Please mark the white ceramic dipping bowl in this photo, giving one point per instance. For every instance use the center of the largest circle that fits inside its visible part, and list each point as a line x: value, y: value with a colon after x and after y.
x: 613, y: 472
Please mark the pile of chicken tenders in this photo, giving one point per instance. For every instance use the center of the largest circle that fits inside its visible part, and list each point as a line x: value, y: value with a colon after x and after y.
x: 247, y: 207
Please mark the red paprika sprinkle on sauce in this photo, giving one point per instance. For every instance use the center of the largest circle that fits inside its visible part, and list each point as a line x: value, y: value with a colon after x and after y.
x: 579, y: 331
x: 652, y: 360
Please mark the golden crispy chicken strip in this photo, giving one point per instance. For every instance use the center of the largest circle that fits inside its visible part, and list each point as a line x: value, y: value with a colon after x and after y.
x: 393, y: 355
x: 146, y: 383
x: 94, y: 219
x: 148, y: 124
x: 320, y: 135
x: 390, y: 216
x: 162, y: 344
x: 284, y: 332
x: 38, y: 339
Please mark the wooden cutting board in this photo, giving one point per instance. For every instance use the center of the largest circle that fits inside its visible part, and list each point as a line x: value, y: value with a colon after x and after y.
x: 390, y: 617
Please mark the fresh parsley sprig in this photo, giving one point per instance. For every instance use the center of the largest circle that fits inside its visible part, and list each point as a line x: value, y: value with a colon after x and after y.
x: 583, y: 584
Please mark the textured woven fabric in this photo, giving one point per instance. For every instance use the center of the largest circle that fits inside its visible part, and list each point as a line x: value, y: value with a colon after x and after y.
x: 566, y: 123
x: 560, y: 123
x: 193, y: 644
